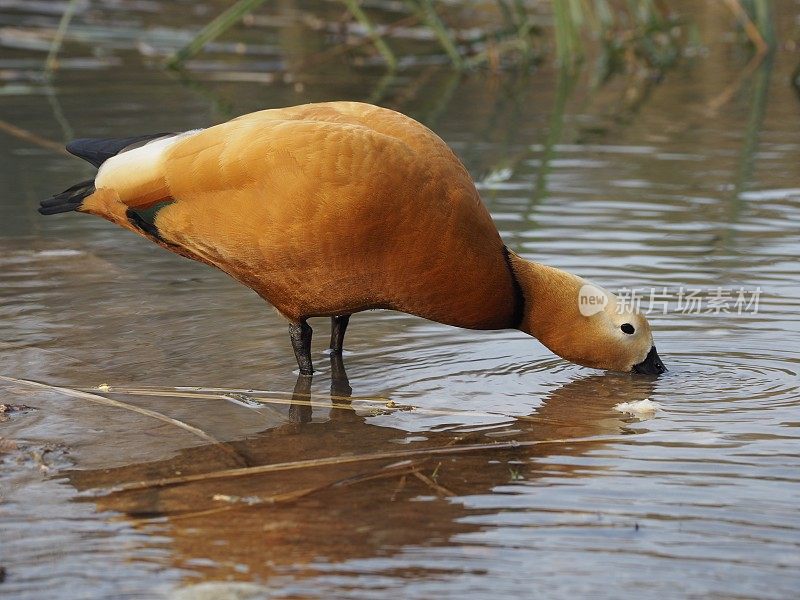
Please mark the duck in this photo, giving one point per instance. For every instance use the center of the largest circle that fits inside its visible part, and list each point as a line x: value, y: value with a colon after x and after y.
x: 330, y: 209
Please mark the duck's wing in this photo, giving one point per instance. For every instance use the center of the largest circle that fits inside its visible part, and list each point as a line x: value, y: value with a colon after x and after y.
x: 230, y: 184
x: 99, y: 150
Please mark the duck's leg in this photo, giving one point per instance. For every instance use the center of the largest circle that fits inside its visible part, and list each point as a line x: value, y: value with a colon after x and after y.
x: 338, y: 327
x: 300, y: 334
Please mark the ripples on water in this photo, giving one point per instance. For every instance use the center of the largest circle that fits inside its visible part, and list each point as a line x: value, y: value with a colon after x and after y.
x: 701, y: 500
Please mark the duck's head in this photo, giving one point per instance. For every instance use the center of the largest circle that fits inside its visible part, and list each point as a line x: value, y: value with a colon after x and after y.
x: 584, y: 323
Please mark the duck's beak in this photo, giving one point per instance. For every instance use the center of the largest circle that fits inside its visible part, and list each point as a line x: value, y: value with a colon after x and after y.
x: 651, y: 365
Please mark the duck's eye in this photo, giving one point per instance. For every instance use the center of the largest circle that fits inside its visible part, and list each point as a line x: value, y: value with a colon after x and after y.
x: 627, y: 328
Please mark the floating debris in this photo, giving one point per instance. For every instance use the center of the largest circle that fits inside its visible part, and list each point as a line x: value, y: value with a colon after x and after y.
x: 250, y: 500
x: 6, y: 409
x: 641, y: 409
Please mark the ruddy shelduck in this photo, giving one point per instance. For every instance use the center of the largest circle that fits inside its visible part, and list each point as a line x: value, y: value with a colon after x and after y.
x: 334, y: 208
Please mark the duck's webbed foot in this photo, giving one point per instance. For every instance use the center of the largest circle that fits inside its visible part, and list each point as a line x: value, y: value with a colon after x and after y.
x: 338, y: 328
x: 300, y: 334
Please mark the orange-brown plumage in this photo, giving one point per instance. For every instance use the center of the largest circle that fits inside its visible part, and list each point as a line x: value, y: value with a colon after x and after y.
x: 324, y: 209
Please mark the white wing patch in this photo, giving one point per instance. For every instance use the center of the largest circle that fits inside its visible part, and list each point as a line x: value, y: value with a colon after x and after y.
x: 135, y: 168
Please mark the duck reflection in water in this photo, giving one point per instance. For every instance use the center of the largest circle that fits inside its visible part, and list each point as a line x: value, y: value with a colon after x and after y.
x: 261, y: 525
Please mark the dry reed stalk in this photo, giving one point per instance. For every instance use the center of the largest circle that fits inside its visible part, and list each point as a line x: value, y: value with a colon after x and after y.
x: 762, y: 49
x: 730, y: 90
x: 750, y: 28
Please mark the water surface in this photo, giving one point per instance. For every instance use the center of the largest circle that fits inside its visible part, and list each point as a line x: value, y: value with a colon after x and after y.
x: 699, y: 501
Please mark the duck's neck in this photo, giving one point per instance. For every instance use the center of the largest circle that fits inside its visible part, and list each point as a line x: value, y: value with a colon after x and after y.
x: 550, y: 297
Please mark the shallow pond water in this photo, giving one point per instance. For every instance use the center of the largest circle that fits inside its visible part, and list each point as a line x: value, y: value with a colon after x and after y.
x: 441, y: 462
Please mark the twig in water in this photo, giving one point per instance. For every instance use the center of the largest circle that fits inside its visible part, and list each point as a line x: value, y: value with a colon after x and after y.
x: 341, y: 460
x: 400, y: 486
x: 125, y: 406
x: 403, y: 469
x: 440, y: 489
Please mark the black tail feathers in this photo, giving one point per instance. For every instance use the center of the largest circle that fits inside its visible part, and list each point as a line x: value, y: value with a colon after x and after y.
x: 98, y: 151
x: 68, y: 200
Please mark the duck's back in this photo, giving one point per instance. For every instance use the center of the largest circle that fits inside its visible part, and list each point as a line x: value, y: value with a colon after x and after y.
x: 332, y: 208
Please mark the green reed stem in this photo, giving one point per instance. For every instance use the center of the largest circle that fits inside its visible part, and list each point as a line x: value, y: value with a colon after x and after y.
x: 762, y: 17
x: 427, y: 14
x: 361, y: 17
x: 213, y: 30
x: 566, y: 47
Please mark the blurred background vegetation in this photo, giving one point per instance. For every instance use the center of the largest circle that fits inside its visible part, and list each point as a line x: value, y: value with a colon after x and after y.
x: 510, y: 33
x: 285, y: 37
x: 417, y: 56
